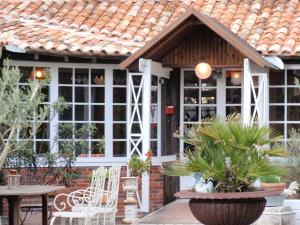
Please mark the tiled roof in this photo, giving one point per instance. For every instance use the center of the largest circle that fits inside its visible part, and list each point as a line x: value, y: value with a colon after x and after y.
x: 94, y: 27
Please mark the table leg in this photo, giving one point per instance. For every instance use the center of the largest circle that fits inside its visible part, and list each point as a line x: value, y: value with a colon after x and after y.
x: 44, y: 209
x: 14, y: 210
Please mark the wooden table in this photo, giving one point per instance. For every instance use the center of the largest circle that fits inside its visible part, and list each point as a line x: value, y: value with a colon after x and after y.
x: 14, y: 197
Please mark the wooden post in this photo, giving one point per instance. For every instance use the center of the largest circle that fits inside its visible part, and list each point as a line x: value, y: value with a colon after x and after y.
x: 44, y: 209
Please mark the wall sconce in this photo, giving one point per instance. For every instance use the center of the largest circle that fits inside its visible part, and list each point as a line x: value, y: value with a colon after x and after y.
x: 39, y: 73
x: 203, y: 70
x: 236, y: 77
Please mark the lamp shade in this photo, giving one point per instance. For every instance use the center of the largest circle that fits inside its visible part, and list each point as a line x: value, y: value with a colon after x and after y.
x: 236, y: 78
x: 39, y: 73
x: 203, y: 70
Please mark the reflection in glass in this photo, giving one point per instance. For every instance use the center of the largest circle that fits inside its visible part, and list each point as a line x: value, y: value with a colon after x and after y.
x: 96, y: 151
x: 232, y: 110
x: 97, y: 76
x: 291, y: 75
x: 65, y: 75
x: 82, y: 94
x: 66, y: 93
x: 97, y: 94
x: 119, y: 77
x: 153, y: 147
x: 119, y: 113
x: 191, y: 96
x: 99, y: 134
x: 233, y: 78
x: 66, y: 114
x: 293, y: 113
x: 276, y: 77
x: 25, y: 73
x: 190, y: 79
x: 154, y: 113
x: 119, y: 148
x: 191, y: 113
x: 279, y: 127
x: 119, y: 95
x: 81, y: 76
x: 276, y: 113
x: 293, y: 95
x: 44, y: 131
x: 119, y: 131
x: 153, y: 131
x: 276, y: 95
x: 42, y: 147
x: 290, y: 127
x: 233, y: 96
x: 97, y: 113
x: 81, y: 112
x: 154, y: 93
x: 208, y: 112
x: 208, y: 96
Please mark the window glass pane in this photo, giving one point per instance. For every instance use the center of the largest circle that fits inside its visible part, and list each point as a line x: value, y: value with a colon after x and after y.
x: 26, y: 73
x: 66, y: 93
x: 209, y: 82
x: 82, y: 131
x: 43, y: 132
x: 232, y: 109
x: 233, y: 96
x: 96, y: 150
x: 97, y: 76
x: 293, y: 113
x: 291, y: 75
x: 276, y: 95
x: 97, y: 113
x: 81, y: 76
x: 154, y: 93
x: 65, y: 75
x: 119, y: 148
x: 153, y: 131
x: 65, y: 130
x: 278, y: 127
x: 82, y: 112
x: 119, y: 95
x: 119, y: 131
x: 42, y: 147
x: 82, y: 94
x: 154, y: 80
x: 99, y: 133
x: 191, y: 113
x: 292, y: 126
x: 191, y: 96
x: 81, y: 148
x: 119, y: 77
x: 293, y: 95
x: 119, y: 113
x: 233, y: 78
x: 154, y: 113
x: 135, y: 129
x: 208, y: 112
x: 276, y: 77
x: 97, y: 94
x: 136, y: 80
x: 208, y: 96
x: 190, y: 79
x: 45, y: 91
x: 136, y: 118
x: 276, y: 113
x: 66, y: 114
x: 153, y: 147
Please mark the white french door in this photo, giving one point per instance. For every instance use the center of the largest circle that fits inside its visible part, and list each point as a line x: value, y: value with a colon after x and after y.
x: 219, y: 95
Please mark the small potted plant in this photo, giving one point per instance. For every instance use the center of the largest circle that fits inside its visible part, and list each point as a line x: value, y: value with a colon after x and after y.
x: 137, y: 165
x: 226, y: 158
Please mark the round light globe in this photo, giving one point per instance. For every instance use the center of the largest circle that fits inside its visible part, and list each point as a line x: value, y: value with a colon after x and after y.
x: 203, y: 70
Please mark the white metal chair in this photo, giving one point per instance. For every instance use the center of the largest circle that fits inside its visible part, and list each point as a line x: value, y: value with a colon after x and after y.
x: 98, y: 203
x: 106, y: 208
x: 88, y: 198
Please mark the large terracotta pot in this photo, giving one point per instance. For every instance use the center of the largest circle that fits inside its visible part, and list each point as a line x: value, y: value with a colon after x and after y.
x: 239, y: 208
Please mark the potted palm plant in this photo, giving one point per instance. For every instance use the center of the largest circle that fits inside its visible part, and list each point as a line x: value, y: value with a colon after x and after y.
x: 227, y: 157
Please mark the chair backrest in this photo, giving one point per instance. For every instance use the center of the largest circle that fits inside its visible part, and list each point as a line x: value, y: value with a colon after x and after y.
x: 96, y: 189
x: 113, y: 186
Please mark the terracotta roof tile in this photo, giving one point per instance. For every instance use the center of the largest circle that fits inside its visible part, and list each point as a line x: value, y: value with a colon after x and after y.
x: 118, y: 27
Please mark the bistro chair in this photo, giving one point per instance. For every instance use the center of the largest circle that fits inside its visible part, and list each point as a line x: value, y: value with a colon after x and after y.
x: 98, y: 203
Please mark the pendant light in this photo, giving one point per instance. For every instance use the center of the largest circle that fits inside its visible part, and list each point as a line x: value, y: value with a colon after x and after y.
x: 203, y: 70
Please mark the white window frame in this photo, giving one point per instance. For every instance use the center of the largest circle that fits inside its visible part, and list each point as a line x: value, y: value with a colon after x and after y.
x: 285, y: 104
x: 108, y: 159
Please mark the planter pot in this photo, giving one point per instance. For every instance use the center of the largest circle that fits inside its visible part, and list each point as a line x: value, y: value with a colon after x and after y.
x: 275, y: 201
x: 130, y: 185
x: 239, y: 208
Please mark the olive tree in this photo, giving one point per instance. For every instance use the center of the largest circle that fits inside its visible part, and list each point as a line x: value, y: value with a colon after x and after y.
x: 20, y: 110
